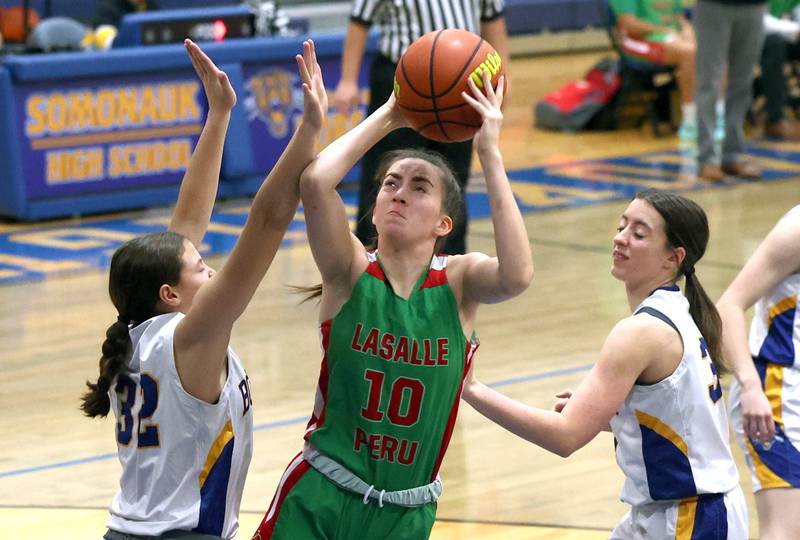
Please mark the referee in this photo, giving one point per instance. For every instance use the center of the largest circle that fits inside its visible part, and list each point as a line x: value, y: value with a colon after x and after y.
x: 401, y: 22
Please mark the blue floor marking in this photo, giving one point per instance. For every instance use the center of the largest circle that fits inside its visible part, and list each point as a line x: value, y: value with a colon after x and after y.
x: 26, y: 256
x: 287, y: 422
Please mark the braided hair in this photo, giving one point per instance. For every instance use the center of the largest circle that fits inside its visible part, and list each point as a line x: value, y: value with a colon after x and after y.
x: 139, y: 268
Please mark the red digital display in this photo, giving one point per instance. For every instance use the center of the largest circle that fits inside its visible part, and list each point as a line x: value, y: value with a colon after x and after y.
x: 220, y: 30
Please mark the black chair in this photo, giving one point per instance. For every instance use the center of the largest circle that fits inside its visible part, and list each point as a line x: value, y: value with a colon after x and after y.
x: 644, y: 87
x: 757, y: 113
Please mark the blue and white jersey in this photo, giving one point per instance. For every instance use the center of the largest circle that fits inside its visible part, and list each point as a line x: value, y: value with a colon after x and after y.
x: 775, y: 347
x: 184, y: 461
x: 672, y: 436
x: 775, y: 331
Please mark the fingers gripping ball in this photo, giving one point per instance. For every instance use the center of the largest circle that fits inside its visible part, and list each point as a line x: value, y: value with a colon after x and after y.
x: 432, y: 74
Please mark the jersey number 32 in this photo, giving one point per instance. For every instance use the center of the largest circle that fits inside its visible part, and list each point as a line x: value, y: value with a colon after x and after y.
x: 146, y: 433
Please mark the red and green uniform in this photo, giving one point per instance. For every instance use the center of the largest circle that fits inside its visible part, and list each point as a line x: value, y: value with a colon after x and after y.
x: 388, y: 395
x: 663, y: 13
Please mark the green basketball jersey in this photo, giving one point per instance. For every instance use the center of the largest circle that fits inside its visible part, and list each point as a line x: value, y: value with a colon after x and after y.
x: 657, y: 12
x: 391, y: 377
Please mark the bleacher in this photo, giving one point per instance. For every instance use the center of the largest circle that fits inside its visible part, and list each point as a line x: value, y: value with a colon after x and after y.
x: 523, y: 17
x: 65, y: 143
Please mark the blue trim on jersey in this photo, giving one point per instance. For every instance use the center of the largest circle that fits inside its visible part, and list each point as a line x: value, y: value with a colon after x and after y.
x: 711, y: 518
x: 778, y: 346
x: 214, y: 493
x: 658, y: 315
x: 782, y: 458
x: 761, y: 369
x: 670, y: 288
x: 669, y: 474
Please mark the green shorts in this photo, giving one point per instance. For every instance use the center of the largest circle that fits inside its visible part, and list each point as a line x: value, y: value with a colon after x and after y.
x: 308, y: 506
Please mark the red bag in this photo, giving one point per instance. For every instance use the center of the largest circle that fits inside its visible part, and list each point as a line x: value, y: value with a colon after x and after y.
x: 571, y: 107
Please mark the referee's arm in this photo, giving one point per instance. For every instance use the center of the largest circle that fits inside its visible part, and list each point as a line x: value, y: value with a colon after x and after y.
x: 355, y: 43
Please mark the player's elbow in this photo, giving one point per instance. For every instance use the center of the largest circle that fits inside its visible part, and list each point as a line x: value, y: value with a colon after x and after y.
x: 563, y: 452
x: 566, y: 446
x: 727, y: 305
x: 517, y: 282
x: 566, y: 440
x: 310, y: 181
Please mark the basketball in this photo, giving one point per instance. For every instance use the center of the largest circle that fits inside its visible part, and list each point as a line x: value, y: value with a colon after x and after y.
x: 432, y: 74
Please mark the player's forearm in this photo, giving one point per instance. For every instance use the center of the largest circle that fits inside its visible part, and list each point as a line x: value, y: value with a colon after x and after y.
x: 330, y: 166
x: 198, y: 189
x: 542, y: 428
x: 735, y: 348
x: 513, y: 248
x: 637, y: 28
x: 276, y: 202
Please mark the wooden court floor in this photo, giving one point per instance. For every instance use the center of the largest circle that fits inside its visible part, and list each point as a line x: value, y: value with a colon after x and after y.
x: 58, y: 470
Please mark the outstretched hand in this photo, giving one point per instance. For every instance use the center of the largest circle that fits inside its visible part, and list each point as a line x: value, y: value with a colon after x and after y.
x: 488, y: 105
x: 218, y: 89
x: 315, y: 98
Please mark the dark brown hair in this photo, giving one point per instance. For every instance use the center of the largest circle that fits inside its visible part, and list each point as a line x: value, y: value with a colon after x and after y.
x: 452, y: 200
x: 139, y: 268
x: 686, y: 226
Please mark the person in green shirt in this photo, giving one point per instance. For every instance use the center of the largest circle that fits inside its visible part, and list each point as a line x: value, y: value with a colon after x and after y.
x: 780, y: 45
x: 656, y: 31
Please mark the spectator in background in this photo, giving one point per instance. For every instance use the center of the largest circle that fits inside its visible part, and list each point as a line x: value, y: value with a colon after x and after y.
x: 401, y: 22
x: 730, y: 34
x: 655, y: 31
x: 780, y: 44
x: 111, y: 11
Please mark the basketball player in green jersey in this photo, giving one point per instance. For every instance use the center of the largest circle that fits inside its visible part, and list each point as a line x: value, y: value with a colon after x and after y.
x: 394, y: 326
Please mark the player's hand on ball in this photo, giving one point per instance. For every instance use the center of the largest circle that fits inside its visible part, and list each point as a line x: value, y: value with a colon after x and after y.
x: 488, y: 105
x: 218, y: 89
x: 396, y: 116
x: 315, y: 98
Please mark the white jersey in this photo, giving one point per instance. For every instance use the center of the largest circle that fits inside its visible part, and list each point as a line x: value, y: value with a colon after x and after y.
x: 672, y: 436
x: 184, y: 461
x: 775, y: 332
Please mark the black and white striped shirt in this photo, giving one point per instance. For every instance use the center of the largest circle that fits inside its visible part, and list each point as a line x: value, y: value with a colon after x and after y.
x: 403, y: 21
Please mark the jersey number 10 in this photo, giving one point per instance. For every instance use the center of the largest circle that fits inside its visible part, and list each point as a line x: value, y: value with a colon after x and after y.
x: 400, y: 387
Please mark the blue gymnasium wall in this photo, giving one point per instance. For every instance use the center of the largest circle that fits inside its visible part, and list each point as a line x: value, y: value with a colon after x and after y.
x: 93, y: 132
x: 50, y: 169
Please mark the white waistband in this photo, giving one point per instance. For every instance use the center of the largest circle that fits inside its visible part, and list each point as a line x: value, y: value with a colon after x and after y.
x: 342, y: 477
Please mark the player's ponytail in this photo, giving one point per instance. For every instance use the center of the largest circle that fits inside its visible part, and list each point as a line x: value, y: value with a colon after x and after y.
x: 707, y: 319
x: 139, y: 268
x: 116, y: 347
x: 686, y: 226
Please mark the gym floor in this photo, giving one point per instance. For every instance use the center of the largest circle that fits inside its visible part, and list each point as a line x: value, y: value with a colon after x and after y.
x: 59, y: 472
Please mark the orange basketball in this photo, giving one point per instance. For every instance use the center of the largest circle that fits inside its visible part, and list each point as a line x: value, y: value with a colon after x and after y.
x: 432, y: 74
